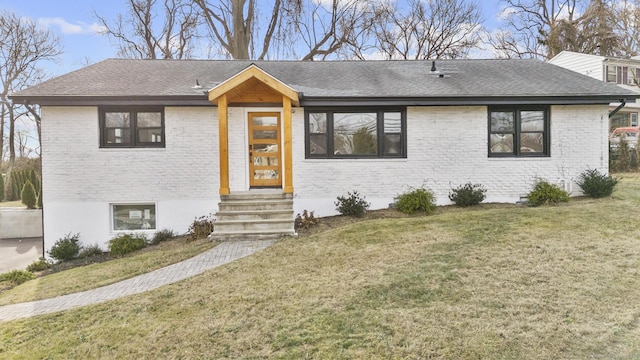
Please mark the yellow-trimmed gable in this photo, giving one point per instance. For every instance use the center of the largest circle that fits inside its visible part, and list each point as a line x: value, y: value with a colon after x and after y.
x: 253, y: 85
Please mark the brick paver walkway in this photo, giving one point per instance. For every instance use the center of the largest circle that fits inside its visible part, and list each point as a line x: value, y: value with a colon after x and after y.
x: 219, y: 255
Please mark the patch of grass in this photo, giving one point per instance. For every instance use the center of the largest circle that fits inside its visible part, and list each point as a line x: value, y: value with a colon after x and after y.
x: 95, y: 275
x: 16, y: 277
x: 493, y: 282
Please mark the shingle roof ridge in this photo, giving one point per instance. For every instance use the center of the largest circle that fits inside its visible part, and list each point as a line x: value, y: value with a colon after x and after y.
x: 331, y: 61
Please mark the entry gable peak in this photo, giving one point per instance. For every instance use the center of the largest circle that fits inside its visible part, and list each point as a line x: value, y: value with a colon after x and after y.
x: 249, y: 74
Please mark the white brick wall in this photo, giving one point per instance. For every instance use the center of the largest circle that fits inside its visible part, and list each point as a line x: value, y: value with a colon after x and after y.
x: 81, y: 180
x: 446, y: 147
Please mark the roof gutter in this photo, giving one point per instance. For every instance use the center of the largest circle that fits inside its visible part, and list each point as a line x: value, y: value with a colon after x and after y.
x: 615, y: 111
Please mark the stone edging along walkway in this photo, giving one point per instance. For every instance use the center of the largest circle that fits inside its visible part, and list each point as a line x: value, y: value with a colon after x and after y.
x: 219, y: 255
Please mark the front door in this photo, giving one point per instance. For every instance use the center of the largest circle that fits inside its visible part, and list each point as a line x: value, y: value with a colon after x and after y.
x: 264, y: 150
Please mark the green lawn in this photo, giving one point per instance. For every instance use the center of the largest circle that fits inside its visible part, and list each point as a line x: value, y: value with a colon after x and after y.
x: 494, y: 282
x: 100, y: 274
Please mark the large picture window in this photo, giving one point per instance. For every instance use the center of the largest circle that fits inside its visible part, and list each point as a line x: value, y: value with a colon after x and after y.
x: 131, y: 127
x: 128, y: 217
x: 355, y: 133
x: 520, y: 131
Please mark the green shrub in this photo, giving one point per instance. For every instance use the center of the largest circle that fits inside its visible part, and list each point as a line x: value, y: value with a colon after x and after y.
x: 17, y: 277
x: 544, y: 193
x: 419, y: 199
x: 306, y: 220
x: 468, y: 194
x: 66, y: 248
x: 595, y: 184
x: 200, y: 227
x: 126, y: 243
x: 28, y: 195
x: 39, y: 265
x: 1, y: 186
x: 91, y: 250
x: 162, y: 235
x: 40, y: 198
x: 353, y: 204
x: 623, y: 159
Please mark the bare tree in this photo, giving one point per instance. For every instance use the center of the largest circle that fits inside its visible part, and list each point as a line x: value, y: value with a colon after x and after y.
x: 532, y: 27
x: 427, y: 29
x: 231, y: 23
x: 542, y: 28
x: 338, y: 29
x: 154, y: 31
x: 596, y: 33
x: 23, y: 45
x: 627, y: 16
x: 302, y: 29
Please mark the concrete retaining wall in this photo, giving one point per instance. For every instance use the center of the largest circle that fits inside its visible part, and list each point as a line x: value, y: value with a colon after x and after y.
x: 20, y: 223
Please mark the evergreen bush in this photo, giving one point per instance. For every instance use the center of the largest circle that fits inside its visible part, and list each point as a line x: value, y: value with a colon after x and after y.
x: 623, y: 160
x: 162, y: 235
x: 419, y: 199
x: 468, y: 194
x: 8, y: 189
x: 40, y: 198
x: 35, y: 181
x: 353, y: 204
x: 544, y: 193
x: 39, y: 265
x: 1, y: 187
x: 126, y: 243
x: 91, y: 250
x: 595, y: 184
x: 66, y: 248
x: 28, y: 195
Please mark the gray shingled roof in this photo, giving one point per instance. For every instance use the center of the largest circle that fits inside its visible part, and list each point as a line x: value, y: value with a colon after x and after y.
x: 483, y: 81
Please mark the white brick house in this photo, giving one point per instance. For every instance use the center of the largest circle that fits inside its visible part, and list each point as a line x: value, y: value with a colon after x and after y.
x: 140, y: 145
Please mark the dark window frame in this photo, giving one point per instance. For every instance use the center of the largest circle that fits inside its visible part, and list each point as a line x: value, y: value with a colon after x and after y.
x: 379, y: 111
x: 516, y: 110
x: 139, y: 207
x: 133, y: 111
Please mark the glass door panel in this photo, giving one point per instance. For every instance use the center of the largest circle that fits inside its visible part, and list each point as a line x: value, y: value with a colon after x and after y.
x: 264, y: 150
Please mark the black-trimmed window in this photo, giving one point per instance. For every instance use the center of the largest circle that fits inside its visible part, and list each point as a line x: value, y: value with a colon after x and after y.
x: 519, y: 131
x: 132, y: 127
x: 133, y: 217
x: 355, y: 133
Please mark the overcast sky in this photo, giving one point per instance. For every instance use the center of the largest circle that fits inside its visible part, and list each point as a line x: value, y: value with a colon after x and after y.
x: 73, y: 21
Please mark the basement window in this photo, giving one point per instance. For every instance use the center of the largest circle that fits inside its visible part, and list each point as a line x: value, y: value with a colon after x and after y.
x: 127, y: 217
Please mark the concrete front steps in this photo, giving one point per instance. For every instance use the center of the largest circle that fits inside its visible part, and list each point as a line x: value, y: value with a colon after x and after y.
x: 256, y: 214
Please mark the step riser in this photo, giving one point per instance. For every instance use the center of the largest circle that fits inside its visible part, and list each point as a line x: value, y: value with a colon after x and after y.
x: 243, y: 237
x: 230, y: 206
x: 254, y: 196
x: 254, y: 226
x: 254, y: 216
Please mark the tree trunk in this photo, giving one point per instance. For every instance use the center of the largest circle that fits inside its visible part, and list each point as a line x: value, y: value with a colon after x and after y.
x: 12, y: 155
x: 241, y: 31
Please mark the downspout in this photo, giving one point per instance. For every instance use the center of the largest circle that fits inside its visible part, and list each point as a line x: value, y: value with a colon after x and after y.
x: 623, y: 102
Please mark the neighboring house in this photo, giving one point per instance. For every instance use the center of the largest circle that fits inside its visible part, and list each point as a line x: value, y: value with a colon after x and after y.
x: 142, y: 145
x: 622, y: 72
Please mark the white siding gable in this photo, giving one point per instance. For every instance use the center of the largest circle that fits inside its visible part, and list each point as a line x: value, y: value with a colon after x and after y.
x: 586, y: 64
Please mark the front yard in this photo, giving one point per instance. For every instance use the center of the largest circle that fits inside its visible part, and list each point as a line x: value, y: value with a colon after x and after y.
x: 491, y: 282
